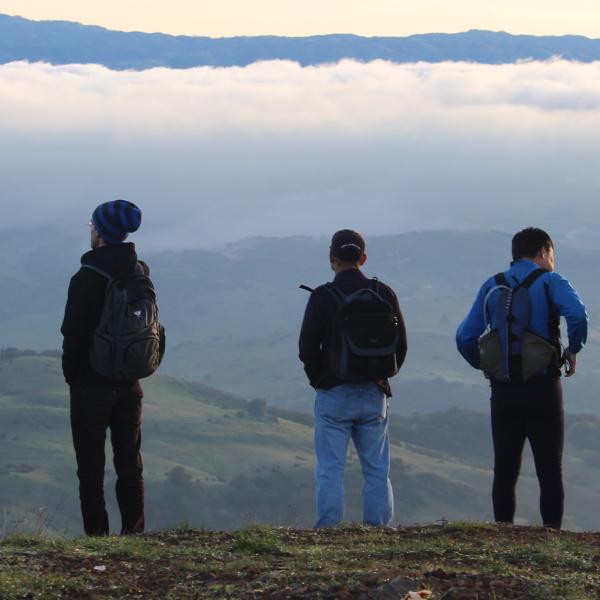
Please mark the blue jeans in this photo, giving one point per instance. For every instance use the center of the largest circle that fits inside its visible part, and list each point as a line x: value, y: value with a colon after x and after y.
x: 358, y: 411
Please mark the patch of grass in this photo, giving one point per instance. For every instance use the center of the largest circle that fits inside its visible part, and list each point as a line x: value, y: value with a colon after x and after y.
x: 563, y: 588
x: 20, y: 585
x: 555, y: 553
x: 256, y: 540
x: 36, y: 543
x: 466, y: 526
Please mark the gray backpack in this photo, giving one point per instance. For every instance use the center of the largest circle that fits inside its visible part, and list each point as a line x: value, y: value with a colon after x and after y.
x: 128, y: 343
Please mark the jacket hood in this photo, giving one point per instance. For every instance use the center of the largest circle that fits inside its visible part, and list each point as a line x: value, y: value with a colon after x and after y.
x: 118, y: 260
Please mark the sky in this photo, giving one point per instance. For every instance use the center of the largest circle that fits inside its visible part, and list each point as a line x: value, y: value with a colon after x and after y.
x: 216, y: 155
x: 217, y: 18
x: 213, y: 155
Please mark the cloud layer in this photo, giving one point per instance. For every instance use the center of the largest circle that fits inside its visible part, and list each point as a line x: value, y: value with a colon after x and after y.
x: 212, y: 155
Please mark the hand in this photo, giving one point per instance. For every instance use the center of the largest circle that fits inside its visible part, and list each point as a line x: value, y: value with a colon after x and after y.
x: 570, y: 361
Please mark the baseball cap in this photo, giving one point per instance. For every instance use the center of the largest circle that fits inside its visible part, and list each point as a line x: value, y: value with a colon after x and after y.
x: 347, y: 245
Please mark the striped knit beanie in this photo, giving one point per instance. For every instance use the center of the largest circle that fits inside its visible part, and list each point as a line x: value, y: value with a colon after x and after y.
x: 115, y: 220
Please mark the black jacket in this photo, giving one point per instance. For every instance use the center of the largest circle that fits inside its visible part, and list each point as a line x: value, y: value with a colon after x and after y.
x: 318, y: 317
x: 84, y: 307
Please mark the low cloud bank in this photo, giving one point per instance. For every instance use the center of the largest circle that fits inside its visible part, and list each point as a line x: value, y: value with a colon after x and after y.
x: 212, y: 155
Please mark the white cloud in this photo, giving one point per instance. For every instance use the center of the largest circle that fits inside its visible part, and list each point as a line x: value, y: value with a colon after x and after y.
x: 276, y: 149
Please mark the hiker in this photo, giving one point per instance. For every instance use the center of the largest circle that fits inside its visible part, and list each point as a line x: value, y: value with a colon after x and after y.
x: 512, y: 334
x: 352, y: 339
x: 111, y: 338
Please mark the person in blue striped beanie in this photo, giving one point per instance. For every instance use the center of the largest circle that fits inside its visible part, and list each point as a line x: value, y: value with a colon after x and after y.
x: 115, y: 220
x: 99, y: 403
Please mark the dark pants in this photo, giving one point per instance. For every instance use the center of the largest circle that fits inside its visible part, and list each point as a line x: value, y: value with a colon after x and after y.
x: 532, y: 411
x: 94, y: 409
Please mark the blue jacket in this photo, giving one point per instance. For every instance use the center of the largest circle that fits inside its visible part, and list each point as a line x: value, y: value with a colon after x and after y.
x: 564, y: 299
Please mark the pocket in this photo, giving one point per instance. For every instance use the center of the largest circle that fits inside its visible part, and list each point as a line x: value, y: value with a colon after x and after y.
x: 332, y: 404
x: 101, y: 355
x: 491, y: 361
x: 383, y: 412
x: 538, y: 354
x: 141, y: 358
x: 378, y: 406
x: 324, y: 406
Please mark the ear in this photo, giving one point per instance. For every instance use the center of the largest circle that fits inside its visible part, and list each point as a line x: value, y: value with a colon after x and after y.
x: 363, y: 260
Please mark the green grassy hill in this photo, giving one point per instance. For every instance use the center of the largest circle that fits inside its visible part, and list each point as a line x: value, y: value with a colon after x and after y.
x: 454, y: 561
x: 215, y: 460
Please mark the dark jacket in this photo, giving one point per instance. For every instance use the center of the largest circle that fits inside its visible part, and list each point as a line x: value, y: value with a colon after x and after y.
x: 318, y: 317
x: 84, y: 307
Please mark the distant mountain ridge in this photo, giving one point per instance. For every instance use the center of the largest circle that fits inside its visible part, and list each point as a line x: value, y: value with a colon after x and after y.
x: 64, y: 42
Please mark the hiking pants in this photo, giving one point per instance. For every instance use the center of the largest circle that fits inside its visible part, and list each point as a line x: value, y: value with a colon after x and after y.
x: 532, y: 411
x: 358, y: 412
x: 94, y: 409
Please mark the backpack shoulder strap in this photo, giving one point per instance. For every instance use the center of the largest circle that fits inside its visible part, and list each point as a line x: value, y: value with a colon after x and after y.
x: 97, y: 270
x: 531, y: 278
x: 336, y: 293
x: 374, y: 285
x: 500, y: 279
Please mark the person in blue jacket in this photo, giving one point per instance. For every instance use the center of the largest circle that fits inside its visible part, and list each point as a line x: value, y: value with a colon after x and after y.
x: 532, y: 409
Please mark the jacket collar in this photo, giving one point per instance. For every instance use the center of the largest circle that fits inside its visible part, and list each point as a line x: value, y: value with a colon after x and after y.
x: 118, y: 260
x: 349, y: 275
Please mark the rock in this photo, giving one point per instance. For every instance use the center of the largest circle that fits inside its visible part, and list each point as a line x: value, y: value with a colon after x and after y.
x: 394, y: 589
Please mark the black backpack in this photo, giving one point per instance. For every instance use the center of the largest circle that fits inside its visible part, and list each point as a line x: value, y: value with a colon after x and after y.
x: 128, y: 343
x: 512, y: 352
x: 364, y: 335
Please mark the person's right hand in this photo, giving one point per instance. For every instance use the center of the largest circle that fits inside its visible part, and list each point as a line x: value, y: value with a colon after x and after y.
x: 570, y: 361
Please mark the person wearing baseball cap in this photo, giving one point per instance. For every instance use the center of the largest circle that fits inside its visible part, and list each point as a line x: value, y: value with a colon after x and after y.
x: 351, y: 393
x: 97, y: 403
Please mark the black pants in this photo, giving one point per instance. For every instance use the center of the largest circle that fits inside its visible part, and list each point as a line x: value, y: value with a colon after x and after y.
x: 532, y: 410
x: 94, y: 409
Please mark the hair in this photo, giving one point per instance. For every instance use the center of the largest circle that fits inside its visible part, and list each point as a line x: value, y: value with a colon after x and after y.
x: 529, y: 241
x: 346, y: 263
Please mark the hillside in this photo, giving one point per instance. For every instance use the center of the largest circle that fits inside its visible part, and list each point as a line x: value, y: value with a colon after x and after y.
x: 61, y: 42
x: 454, y: 561
x: 218, y: 461
x: 233, y: 313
